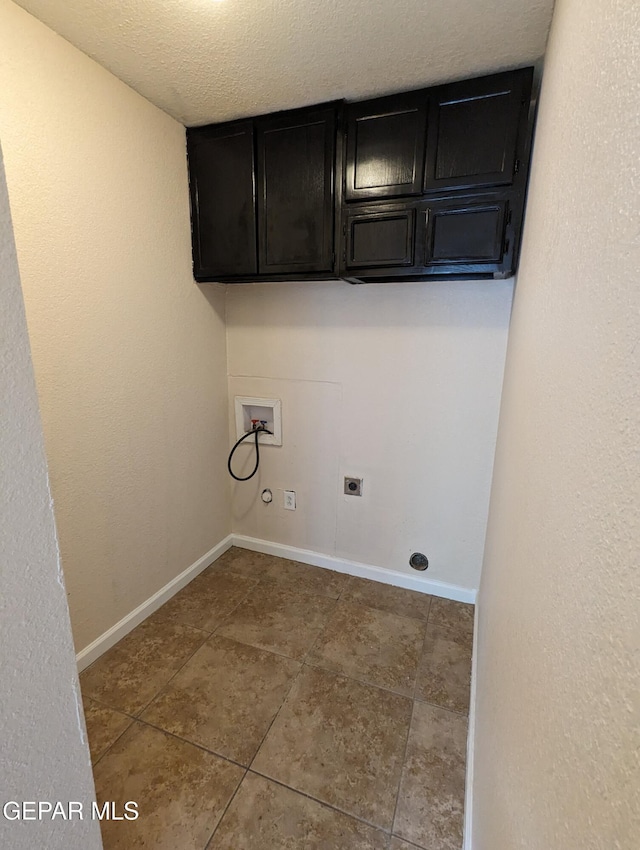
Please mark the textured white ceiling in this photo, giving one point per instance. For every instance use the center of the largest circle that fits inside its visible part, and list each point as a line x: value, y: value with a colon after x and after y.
x: 214, y: 60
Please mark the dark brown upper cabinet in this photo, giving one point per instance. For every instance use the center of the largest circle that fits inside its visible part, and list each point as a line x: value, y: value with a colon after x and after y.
x: 470, y: 236
x: 222, y: 186
x: 458, y: 200
x: 296, y: 179
x: 429, y: 184
x: 263, y: 203
x: 473, y: 131
x: 385, y: 147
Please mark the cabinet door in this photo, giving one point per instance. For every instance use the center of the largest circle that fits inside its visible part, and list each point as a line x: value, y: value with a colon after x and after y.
x: 380, y: 239
x: 296, y: 164
x: 473, y: 131
x: 467, y: 233
x: 221, y: 178
x: 385, y: 147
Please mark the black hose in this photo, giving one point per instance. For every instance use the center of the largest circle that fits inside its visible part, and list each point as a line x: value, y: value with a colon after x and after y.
x: 255, y: 431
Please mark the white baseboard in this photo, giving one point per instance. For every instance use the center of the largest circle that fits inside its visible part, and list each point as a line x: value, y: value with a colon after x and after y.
x: 101, y: 644
x: 354, y: 568
x: 471, y: 736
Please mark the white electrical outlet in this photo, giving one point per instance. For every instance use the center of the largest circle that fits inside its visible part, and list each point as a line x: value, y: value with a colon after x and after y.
x: 289, y: 500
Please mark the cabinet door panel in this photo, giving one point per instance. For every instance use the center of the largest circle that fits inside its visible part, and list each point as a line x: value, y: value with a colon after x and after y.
x: 380, y: 239
x: 474, y: 131
x: 296, y: 158
x: 385, y: 147
x: 465, y: 233
x: 222, y: 200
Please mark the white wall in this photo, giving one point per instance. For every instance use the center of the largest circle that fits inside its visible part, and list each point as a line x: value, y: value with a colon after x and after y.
x: 129, y: 353
x: 557, y: 746
x: 396, y: 383
x: 43, y: 750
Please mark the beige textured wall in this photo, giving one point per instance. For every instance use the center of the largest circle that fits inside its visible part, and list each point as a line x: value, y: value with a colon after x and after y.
x: 43, y: 749
x: 397, y: 383
x: 129, y: 353
x: 557, y: 740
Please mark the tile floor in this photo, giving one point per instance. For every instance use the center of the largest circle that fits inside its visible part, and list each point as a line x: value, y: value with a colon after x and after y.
x: 275, y: 706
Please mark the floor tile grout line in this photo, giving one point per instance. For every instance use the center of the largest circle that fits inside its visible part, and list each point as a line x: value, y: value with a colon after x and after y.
x: 103, y: 704
x: 345, y: 586
x: 372, y: 607
x: 441, y: 707
x: 366, y: 681
x: 404, y: 764
x: 164, y: 687
x: 209, y: 635
x: 358, y: 603
x: 255, y: 646
x: 421, y: 658
x: 321, y: 631
x: 146, y: 619
x: 320, y: 802
x: 275, y: 716
x: 256, y: 582
x: 226, y: 809
x: 94, y: 764
x: 191, y: 743
x: 316, y: 666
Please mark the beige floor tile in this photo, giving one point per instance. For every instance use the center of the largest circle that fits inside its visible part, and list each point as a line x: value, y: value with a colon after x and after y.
x: 267, y: 816
x: 104, y: 726
x: 181, y: 791
x: 283, y: 621
x: 444, y: 674
x: 341, y: 742
x: 240, y: 561
x: 431, y: 799
x: 225, y: 698
x: 207, y: 600
x: 396, y: 600
x: 129, y: 675
x: 371, y: 645
x: 305, y: 578
x: 456, y: 616
x: 293, y: 574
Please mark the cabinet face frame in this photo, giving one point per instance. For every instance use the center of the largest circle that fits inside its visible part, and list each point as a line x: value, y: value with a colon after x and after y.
x: 386, y: 107
x: 326, y: 116
x: 196, y: 138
